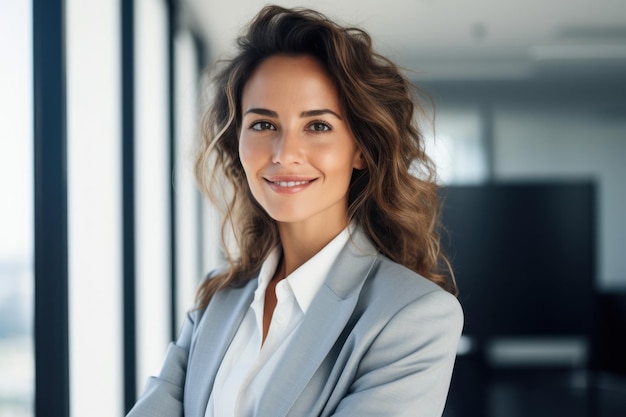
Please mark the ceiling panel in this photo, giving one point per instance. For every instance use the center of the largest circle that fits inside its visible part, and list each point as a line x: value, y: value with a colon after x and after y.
x: 454, y: 39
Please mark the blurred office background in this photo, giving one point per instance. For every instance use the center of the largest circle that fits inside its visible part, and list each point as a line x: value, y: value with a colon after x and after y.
x: 103, y: 237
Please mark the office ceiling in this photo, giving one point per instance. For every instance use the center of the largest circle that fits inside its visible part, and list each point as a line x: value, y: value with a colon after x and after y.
x: 461, y: 39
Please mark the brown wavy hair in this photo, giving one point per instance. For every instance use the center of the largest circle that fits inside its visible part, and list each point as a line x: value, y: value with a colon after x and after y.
x: 394, y: 200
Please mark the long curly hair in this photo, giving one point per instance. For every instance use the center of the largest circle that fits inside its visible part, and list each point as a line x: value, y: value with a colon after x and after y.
x: 394, y: 199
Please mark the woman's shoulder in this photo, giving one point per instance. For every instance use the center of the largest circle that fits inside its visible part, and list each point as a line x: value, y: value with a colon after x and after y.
x: 403, y: 277
x: 398, y: 307
x: 398, y: 286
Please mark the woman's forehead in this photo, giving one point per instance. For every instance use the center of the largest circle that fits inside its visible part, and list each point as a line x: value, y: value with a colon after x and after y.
x: 284, y: 80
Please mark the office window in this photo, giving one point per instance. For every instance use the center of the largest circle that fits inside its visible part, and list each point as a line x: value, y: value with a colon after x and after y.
x: 16, y: 210
x: 94, y: 207
x: 152, y: 188
x: 188, y: 199
x: 458, y: 146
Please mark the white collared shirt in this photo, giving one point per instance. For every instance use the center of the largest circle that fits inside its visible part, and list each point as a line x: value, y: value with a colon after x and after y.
x: 249, y: 364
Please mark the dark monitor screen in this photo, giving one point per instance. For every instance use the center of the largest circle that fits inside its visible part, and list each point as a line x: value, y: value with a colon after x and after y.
x: 523, y: 256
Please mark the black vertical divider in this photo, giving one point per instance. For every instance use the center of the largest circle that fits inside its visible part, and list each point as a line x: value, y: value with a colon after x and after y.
x: 202, y: 61
x: 128, y: 200
x: 171, y: 90
x: 51, y: 238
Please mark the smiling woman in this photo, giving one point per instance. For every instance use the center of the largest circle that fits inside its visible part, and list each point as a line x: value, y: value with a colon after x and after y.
x: 297, y: 151
x: 334, y: 302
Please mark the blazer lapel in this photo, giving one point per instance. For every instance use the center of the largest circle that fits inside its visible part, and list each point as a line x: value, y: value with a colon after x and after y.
x: 324, y: 321
x: 226, y: 310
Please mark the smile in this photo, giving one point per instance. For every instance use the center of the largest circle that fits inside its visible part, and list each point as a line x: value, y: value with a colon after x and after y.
x: 290, y: 183
x: 289, y: 186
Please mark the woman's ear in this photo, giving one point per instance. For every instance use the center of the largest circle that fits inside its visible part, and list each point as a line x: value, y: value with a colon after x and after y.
x: 359, y: 160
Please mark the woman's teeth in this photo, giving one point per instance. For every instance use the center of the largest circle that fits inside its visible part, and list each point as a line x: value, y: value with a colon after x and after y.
x: 290, y: 183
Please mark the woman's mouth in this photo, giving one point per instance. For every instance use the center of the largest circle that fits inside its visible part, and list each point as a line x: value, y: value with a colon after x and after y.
x: 290, y: 183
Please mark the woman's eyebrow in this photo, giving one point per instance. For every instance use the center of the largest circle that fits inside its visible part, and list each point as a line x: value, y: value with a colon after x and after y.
x: 313, y: 113
x: 307, y: 113
x: 262, y: 112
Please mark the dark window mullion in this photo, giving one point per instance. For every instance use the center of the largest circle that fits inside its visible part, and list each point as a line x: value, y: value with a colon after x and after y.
x: 171, y: 33
x: 128, y: 200
x: 51, y: 235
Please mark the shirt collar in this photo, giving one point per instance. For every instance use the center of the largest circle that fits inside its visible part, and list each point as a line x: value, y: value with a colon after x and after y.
x: 305, y: 281
x: 267, y: 272
x: 310, y: 276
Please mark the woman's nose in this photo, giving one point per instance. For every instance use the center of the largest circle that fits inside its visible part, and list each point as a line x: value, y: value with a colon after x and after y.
x: 287, y: 149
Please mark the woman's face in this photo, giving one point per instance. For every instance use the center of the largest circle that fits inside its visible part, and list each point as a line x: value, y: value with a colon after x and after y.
x: 295, y: 146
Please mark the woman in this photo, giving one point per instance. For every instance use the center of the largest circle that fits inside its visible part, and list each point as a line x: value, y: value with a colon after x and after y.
x: 334, y: 303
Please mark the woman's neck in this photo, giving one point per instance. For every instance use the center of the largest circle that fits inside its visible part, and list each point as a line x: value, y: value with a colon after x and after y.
x: 301, y: 241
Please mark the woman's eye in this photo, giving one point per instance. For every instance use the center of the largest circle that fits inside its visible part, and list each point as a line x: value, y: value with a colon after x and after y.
x: 260, y: 126
x: 319, y: 127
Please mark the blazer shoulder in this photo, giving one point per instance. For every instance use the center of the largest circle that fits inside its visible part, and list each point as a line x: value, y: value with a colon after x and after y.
x: 404, y: 278
x: 225, y: 295
x: 392, y: 287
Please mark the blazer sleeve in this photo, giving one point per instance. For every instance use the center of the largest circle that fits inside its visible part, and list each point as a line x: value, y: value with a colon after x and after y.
x: 163, y: 395
x: 408, y: 368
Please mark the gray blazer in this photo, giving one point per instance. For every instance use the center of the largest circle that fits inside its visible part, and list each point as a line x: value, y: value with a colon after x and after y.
x: 377, y: 340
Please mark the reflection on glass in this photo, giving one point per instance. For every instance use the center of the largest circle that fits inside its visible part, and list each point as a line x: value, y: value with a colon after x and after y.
x: 16, y: 225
